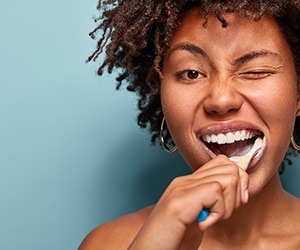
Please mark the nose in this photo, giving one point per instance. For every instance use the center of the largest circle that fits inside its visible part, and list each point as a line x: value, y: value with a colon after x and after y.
x: 222, y: 99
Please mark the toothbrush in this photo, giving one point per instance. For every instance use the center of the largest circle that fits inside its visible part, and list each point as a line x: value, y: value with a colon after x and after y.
x: 243, y: 163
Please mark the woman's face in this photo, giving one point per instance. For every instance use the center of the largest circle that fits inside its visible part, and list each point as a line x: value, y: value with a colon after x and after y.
x: 223, y: 87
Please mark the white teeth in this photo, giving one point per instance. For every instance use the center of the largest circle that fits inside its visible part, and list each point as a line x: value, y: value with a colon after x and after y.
x: 235, y: 158
x: 221, y: 139
x: 237, y: 136
x: 229, y: 137
x: 214, y: 138
x: 243, y: 135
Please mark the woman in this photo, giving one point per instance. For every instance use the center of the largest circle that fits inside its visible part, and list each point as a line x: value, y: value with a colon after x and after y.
x: 217, y: 75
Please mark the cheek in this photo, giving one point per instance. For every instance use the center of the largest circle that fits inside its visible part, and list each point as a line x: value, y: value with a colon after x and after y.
x: 179, y: 107
x: 278, y: 104
x: 276, y: 108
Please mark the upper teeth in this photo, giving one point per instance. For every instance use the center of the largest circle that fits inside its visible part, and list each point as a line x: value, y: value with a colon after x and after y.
x: 229, y: 137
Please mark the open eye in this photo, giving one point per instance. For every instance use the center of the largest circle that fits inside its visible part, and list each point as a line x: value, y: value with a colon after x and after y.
x: 190, y: 75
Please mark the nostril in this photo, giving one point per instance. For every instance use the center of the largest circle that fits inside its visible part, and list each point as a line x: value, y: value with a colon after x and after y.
x: 222, y: 112
x: 224, y: 103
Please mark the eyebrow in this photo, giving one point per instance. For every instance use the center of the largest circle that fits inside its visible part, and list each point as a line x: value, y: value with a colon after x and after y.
x: 190, y: 48
x: 239, y: 61
x: 252, y: 55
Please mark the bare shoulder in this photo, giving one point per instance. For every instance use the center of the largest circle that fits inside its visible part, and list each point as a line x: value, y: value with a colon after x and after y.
x: 116, y: 234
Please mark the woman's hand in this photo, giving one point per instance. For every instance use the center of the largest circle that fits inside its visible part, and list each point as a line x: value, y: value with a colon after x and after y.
x: 219, y: 185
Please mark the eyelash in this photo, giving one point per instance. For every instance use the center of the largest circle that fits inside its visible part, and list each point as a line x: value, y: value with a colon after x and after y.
x: 257, y: 74
x: 184, y: 75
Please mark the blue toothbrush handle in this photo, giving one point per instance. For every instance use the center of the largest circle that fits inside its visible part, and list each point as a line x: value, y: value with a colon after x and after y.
x: 203, y: 215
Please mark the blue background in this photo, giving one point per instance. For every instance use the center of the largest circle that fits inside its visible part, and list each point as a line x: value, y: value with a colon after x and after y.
x: 71, y: 154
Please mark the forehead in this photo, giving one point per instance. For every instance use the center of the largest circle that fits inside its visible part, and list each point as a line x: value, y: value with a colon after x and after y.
x: 241, y: 33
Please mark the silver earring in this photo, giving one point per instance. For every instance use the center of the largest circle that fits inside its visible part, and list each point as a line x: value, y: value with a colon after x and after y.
x: 163, y: 143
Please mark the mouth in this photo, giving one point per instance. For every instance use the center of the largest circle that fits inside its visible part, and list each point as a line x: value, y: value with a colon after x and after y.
x: 232, y: 144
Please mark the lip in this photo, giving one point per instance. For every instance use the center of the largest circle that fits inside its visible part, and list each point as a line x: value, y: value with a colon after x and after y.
x: 258, y: 156
x: 225, y: 127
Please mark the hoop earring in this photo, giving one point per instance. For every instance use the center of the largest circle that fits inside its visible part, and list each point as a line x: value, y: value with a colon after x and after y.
x: 163, y: 143
x: 294, y: 144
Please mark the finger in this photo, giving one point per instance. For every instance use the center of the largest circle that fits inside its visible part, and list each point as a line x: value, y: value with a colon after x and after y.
x: 222, y: 164
x: 184, y: 204
x: 244, y: 183
x: 229, y: 182
x: 217, y: 206
x: 219, y: 165
x: 230, y: 185
x: 215, y: 162
x: 228, y: 177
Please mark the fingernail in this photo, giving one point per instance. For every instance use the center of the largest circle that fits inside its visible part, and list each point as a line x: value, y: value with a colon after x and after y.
x: 246, y: 196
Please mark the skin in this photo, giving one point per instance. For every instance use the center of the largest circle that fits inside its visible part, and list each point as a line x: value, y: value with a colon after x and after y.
x: 215, y: 80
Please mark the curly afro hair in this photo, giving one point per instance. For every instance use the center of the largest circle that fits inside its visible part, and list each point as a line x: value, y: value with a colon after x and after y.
x: 135, y: 35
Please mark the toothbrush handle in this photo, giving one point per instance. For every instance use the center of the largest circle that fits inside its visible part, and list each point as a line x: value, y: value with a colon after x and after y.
x: 203, y: 215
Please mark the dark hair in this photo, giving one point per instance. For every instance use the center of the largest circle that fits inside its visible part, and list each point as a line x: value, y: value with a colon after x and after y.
x: 135, y: 35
